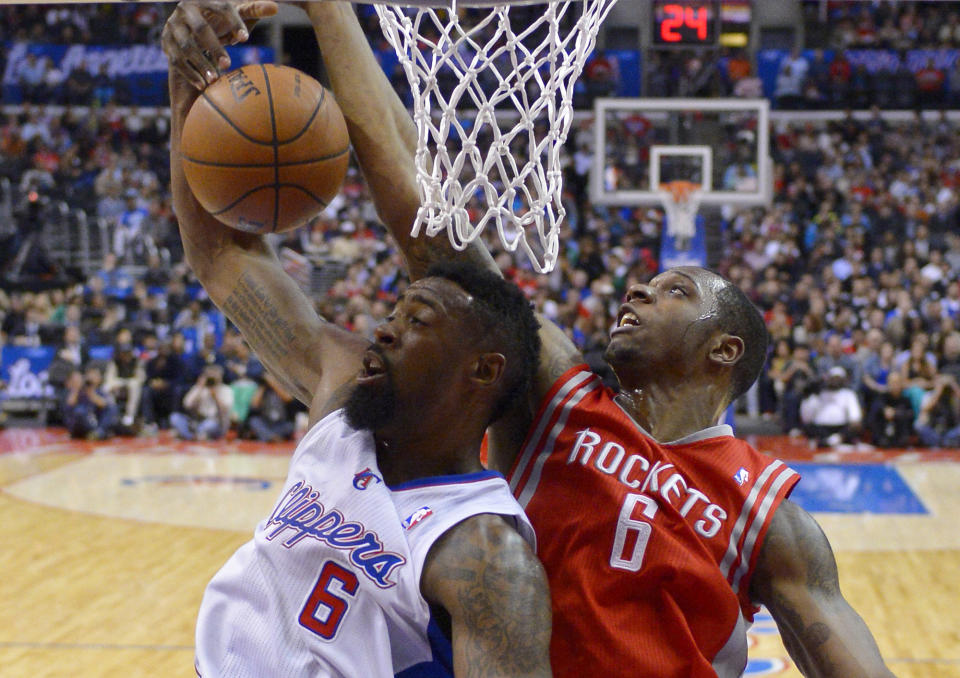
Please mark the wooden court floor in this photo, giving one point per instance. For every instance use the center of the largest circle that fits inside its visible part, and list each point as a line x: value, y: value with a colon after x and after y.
x: 107, y: 547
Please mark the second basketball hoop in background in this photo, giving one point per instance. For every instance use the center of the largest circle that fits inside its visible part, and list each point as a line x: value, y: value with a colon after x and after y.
x: 681, y: 202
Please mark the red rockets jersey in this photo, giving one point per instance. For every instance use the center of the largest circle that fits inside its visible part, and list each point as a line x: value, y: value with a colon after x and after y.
x: 649, y: 547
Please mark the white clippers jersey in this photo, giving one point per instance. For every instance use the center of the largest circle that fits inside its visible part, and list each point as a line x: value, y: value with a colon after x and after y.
x: 330, y: 583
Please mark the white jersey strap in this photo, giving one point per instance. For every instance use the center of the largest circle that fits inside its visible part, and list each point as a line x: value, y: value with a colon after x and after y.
x: 428, y: 507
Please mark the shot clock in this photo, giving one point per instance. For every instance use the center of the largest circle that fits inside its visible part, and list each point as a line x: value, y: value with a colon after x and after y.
x: 685, y: 23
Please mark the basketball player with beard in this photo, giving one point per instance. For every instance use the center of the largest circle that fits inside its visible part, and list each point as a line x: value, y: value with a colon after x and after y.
x: 660, y: 531
x: 391, y: 550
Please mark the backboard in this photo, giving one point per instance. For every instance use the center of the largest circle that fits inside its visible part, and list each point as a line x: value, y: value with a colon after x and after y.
x: 721, y: 144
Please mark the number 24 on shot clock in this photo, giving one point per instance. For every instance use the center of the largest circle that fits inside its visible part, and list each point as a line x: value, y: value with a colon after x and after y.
x: 684, y: 23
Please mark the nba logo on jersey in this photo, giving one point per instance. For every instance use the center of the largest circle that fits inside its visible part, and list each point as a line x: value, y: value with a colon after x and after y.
x: 740, y: 476
x: 362, y: 478
x: 417, y: 516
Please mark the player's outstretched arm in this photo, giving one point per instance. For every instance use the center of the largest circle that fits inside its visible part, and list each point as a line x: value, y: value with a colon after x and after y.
x: 384, y: 138
x: 240, y: 271
x: 382, y: 134
x: 487, y: 578
x: 796, y: 578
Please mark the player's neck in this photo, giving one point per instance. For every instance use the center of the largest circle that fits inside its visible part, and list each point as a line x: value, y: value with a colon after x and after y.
x: 671, y: 413
x: 404, y: 459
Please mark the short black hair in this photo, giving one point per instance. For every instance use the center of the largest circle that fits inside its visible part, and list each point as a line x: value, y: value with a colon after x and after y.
x: 506, y: 322
x: 741, y: 318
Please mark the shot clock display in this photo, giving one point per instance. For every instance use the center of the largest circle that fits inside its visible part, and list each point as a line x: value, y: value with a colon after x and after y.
x: 684, y: 23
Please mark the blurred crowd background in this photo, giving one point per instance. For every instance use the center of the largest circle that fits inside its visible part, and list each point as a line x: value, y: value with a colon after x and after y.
x: 854, y: 264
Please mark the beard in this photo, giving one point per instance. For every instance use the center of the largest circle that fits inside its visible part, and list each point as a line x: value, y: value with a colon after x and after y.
x: 614, y: 355
x: 368, y: 408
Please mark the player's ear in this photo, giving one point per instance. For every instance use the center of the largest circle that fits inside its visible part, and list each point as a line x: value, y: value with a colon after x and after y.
x: 727, y: 349
x: 488, y: 368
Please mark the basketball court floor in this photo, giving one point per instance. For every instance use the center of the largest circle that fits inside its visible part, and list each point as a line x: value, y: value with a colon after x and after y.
x: 107, y: 547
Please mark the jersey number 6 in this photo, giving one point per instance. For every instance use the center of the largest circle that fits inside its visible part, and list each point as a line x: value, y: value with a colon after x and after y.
x: 630, y: 541
x: 324, y: 610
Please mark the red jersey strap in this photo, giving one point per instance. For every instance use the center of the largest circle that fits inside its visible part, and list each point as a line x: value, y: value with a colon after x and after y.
x: 769, y: 490
x: 567, y: 391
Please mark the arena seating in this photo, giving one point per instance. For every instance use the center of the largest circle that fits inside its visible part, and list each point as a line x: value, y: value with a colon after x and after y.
x: 865, y: 210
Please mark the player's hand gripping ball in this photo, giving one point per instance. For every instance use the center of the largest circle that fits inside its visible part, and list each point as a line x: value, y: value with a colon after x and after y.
x: 265, y: 148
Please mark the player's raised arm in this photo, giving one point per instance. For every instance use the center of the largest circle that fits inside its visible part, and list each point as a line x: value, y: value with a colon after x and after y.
x: 487, y: 578
x: 796, y: 578
x: 384, y: 138
x: 240, y: 271
x: 382, y: 134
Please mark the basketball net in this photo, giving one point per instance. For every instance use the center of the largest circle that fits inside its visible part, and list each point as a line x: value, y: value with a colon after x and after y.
x: 506, y: 174
x: 681, y: 201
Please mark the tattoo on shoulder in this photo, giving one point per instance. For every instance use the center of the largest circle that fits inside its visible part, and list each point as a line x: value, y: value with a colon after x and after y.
x: 249, y: 307
x: 555, y: 366
x: 797, y: 541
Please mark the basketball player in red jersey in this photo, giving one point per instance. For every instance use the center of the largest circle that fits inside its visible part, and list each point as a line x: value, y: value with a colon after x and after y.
x: 684, y: 529
x: 659, y: 530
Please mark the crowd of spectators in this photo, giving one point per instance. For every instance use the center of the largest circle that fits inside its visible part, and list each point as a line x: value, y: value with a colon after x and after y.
x: 811, y: 80
x: 856, y: 266
x: 888, y: 24
x: 826, y: 76
x: 111, y: 165
x: 67, y: 24
x: 831, y: 82
x: 835, y: 24
x: 131, y: 359
x: 41, y: 81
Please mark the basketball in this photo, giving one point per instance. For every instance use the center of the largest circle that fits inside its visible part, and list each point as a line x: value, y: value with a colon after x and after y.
x: 265, y: 148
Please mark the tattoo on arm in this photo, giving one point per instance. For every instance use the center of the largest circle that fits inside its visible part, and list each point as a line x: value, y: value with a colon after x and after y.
x: 557, y: 355
x: 796, y: 577
x: 268, y: 331
x: 796, y: 555
x: 507, y: 633
x: 249, y: 307
x: 498, y: 597
x: 822, y: 572
x: 822, y: 576
x: 803, y: 640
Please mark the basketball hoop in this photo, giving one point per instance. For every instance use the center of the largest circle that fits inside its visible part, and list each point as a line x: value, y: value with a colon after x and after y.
x: 470, y: 70
x: 681, y: 202
x: 470, y: 172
